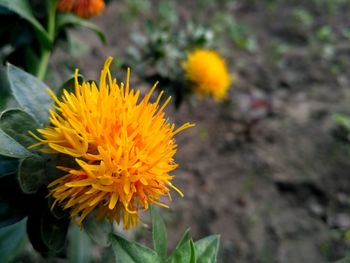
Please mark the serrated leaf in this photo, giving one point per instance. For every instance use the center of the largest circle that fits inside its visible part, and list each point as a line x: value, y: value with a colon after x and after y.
x: 182, y: 254
x: 207, y: 249
x: 31, y: 174
x: 31, y: 93
x: 79, y: 246
x: 17, y: 123
x: 12, y: 240
x: 159, y: 234
x: 10, y: 148
x: 126, y: 251
x: 98, y: 230
x: 68, y: 19
x: 23, y: 9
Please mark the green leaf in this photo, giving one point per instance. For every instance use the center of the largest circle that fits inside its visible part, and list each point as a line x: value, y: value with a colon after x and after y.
x: 183, y: 253
x: 98, y: 230
x: 12, y: 240
x: 79, y: 246
x: 10, y: 148
x: 342, y: 120
x: 207, y: 249
x: 23, y: 9
x: 69, y: 85
x: 193, y: 258
x: 30, y: 93
x: 8, y: 166
x: 185, y: 237
x: 344, y: 260
x: 4, y: 87
x: 126, y: 251
x: 158, y: 233
x: 14, y: 205
x: 31, y: 174
x: 17, y: 123
x: 53, y: 230
x: 69, y: 19
x: 9, y: 214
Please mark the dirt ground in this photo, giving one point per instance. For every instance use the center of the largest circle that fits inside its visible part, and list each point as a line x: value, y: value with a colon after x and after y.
x: 264, y: 170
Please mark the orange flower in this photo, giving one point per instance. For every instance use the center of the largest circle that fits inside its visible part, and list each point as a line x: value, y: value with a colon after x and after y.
x: 82, y: 8
x: 208, y: 73
x: 123, y: 149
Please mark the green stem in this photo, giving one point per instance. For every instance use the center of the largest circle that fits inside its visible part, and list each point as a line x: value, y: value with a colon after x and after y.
x: 45, y: 51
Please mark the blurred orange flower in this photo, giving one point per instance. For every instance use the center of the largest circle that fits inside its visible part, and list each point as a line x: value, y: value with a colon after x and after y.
x: 208, y: 73
x: 82, y: 8
x: 123, y: 149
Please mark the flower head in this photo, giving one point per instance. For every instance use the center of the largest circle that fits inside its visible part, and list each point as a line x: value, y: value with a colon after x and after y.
x: 123, y: 149
x: 208, y: 72
x: 82, y: 8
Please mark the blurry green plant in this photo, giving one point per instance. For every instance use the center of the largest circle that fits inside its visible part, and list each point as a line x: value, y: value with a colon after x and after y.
x: 238, y: 33
x: 303, y: 17
x: 157, y: 55
x: 331, y: 6
x: 33, y: 29
x: 342, y: 129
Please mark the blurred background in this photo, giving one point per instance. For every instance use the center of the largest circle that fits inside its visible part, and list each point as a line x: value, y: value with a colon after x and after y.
x: 268, y: 168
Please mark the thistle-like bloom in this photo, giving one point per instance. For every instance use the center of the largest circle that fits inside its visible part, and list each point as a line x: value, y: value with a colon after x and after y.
x: 123, y: 149
x: 82, y: 8
x: 208, y: 73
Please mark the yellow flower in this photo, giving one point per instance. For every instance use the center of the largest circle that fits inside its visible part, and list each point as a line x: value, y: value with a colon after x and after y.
x: 123, y: 149
x: 82, y: 8
x: 208, y: 72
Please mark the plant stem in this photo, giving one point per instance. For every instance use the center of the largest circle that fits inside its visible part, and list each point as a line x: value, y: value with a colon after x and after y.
x: 46, y: 51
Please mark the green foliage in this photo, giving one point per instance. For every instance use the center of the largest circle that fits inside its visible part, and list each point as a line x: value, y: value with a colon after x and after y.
x: 342, y: 129
x: 12, y: 240
x: 24, y: 10
x: 5, y: 88
x: 325, y: 34
x: 98, y: 230
x: 53, y: 230
x: 158, y: 54
x: 79, y: 247
x: 31, y: 34
x: 159, y: 233
x: 46, y: 232
x: 131, y: 252
x: 186, y: 251
x: 238, y: 33
x: 65, y: 20
x: 10, y: 148
x: 8, y: 166
x: 17, y: 124
x: 344, y: 260
x: 183, y: 253
x: 31, y: 174
x: 30, y: 93
x: 207, y: 249
x: 303, y: 17
x: 14, y: 205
